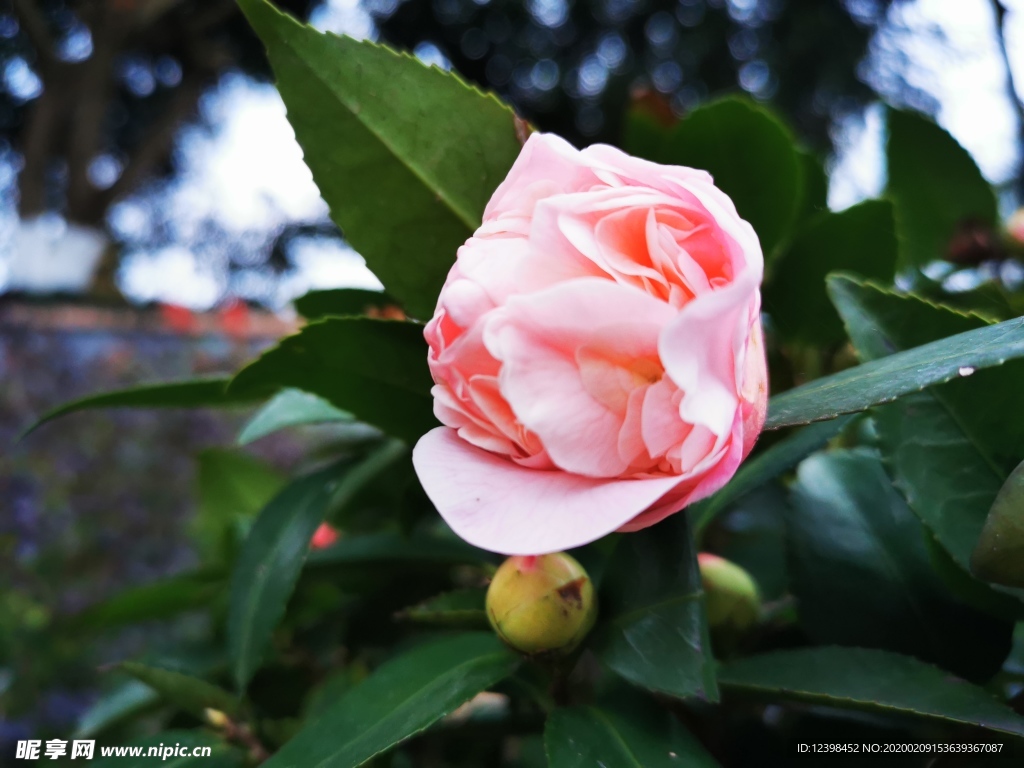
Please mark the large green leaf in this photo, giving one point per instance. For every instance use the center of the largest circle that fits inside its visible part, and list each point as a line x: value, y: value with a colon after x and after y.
x: 290, y: 408
x: 948, y: 449
x: 861, y: 239
x: 126, y: 700
x: 888, y: 378
x: 936, y: 186
x: 765, y: 466
x: 405, y: 155
x: 268, y: 567
x: 186, y: 692
x: 459, y: 608
x: 402, y: 698
x: 999, y: 554
x: 196, y: 393
x: 233, y: 487
x: 635, y: 736
x: 342, y: 302
x: 221, y: 755
x: 862, y: 573
x: 869, y: 680
x: 149, y: 602
x: 374, y: 369
x: 653, y: 631
x: 751, y: 156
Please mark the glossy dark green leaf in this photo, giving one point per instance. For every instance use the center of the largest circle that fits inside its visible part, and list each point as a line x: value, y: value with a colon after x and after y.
x: 751, y: 156
x: 196, y: 393
x: 399, y: 700
x: 653, y: 630
x: 221, y: 755
x: 861, y: 239
x: 233, y: 487
x: 159, y: 600
x: 342, y: 302
x: 290, y: 408
x: 620, y: 737
x: 869, y: 680
x: 999, y: 554
x: 406, y: 155
x: 888, y: 378
x: 393, y: 548
x: 191, y: 694
x: 949, y: 449
x: 815, y: 186
x: 936, y: 186
x: 126, y: 700
x: 268, y: 567
x: 461, y: 607
x: 862, y: 574
x: 374, y: 369
x: 765, y: 466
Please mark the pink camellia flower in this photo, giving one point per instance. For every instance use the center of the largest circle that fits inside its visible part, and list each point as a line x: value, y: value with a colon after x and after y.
x: 596, y: 351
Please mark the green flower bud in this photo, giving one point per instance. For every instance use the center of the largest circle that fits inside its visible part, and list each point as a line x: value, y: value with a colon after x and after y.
x: 730, y: 594
x: 542, y: 603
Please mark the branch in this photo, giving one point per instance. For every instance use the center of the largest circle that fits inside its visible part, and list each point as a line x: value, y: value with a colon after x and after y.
x: 157, y: 143
x: 35, y: 26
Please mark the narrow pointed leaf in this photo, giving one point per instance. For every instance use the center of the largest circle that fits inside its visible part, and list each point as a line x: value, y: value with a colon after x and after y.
x: 872, y: 681
x: 653, y: 631
x: 402, y: 698
x: 461, y: 608
x: 150, y: 602
x: 290, y: 408
x: 888, y: 378
x: 374, y: 369
x: 186, y: 692
x: 268, y: 567
x: 197, y: 393
x: 405, y: 155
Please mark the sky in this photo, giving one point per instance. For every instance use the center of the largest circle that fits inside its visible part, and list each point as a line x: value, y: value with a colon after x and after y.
x: 242, y: 167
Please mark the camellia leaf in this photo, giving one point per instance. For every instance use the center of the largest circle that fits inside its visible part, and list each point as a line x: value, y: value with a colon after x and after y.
x: 374, y: 369
x: 405, y: 696
x: 752, y: 157
x: 268, y: 567
x: 936, y: 185
x: 290, y: 408
x: 862, y: 573
x: 861, y: 239
x: 344, y: 302
x: 869, y: 680
x: 405, y: 155
x: 126, y: 700
x: 653, y: 630
x: 197, y: 393
x: 888, y: 378
x: 191, y: 694
x: 765, y: 466
x: 637, y: 736
x: 999, y: 554
x: 950, y: 449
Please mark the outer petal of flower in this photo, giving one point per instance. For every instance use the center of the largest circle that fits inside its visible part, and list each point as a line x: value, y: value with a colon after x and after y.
x: 500, y: 506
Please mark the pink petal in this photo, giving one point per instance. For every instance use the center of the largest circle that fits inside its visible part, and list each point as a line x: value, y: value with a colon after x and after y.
x: 497, y: 505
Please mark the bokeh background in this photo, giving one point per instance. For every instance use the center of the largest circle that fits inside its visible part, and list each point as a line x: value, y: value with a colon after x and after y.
x: 156, y: 220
